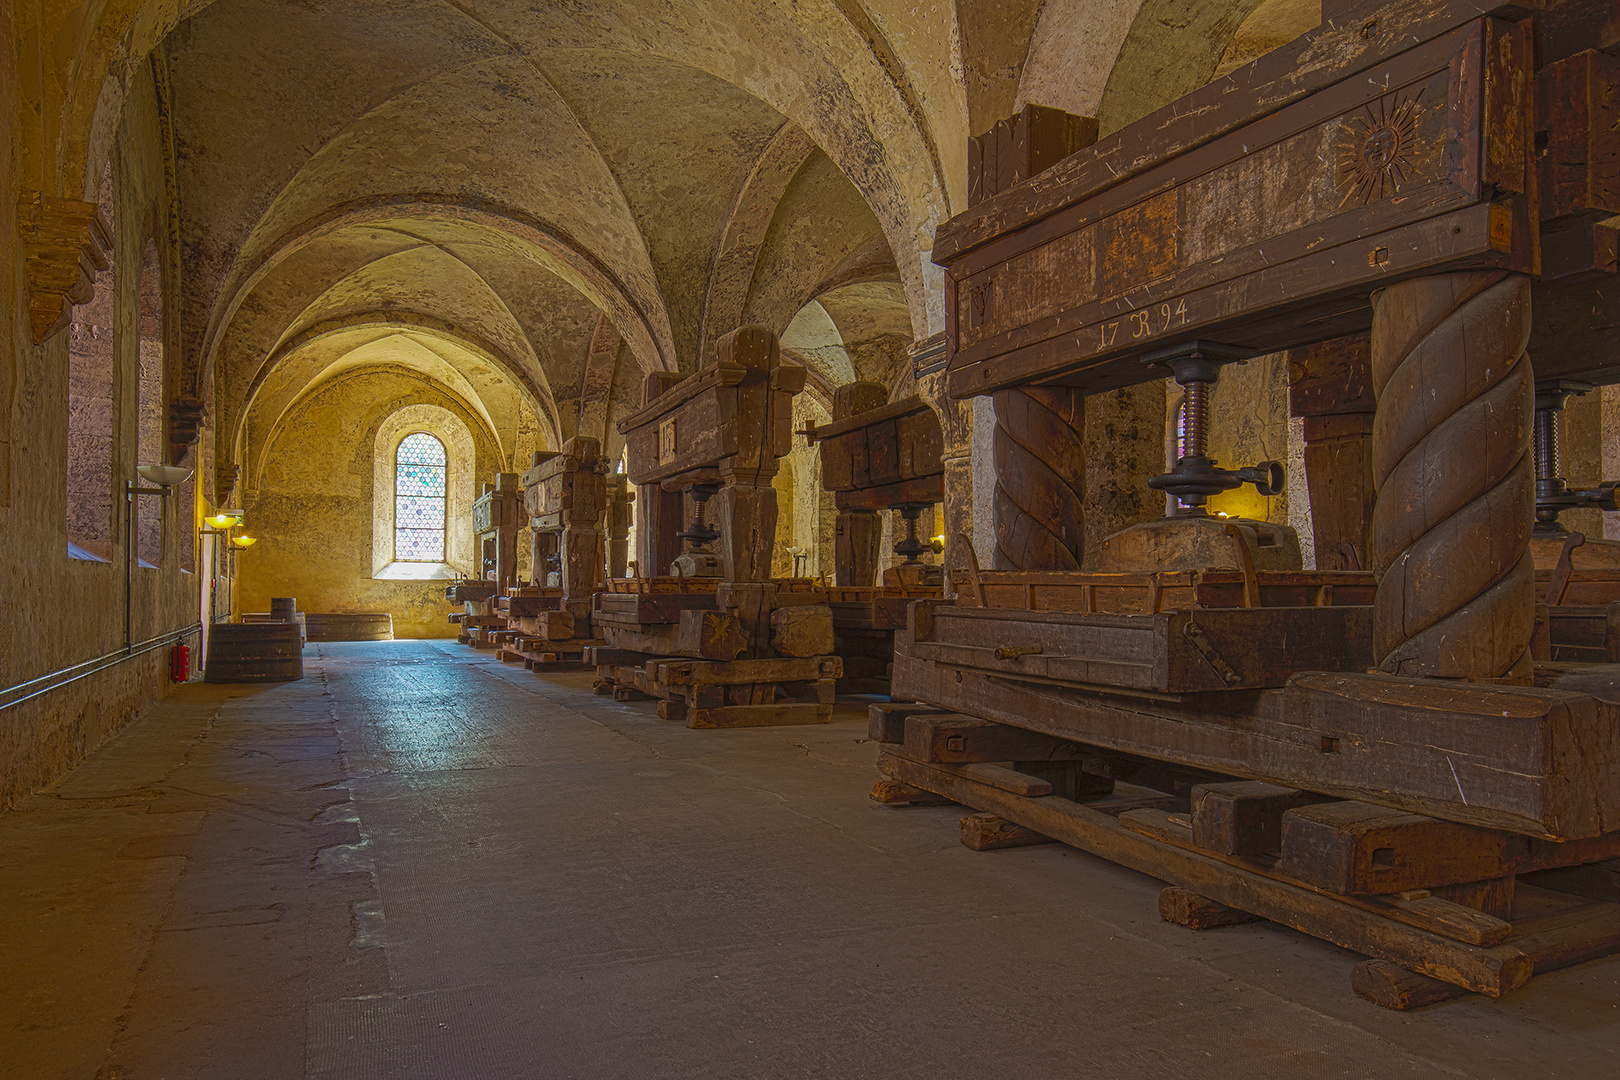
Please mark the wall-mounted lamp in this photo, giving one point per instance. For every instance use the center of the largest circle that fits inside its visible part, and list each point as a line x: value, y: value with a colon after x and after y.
x: 244, y: 541
x: 166, y: 477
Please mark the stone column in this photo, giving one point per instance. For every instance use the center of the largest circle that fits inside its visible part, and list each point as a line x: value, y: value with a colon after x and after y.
x: 956, y: 425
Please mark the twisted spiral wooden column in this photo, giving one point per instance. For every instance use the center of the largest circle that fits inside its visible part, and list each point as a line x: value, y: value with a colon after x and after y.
x: 1040, y: 478
x: 1455, y: 477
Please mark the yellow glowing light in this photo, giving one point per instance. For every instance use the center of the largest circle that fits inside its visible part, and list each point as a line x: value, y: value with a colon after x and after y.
x: 221, y: 521
x: 244, y: 541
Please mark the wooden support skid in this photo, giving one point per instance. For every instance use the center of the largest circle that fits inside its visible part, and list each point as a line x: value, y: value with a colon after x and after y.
x: 723, y: 694
x: 1549, y: 929
x: 1497, y: 757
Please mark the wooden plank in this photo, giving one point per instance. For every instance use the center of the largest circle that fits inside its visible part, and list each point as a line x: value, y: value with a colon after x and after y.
x: 1000, y: 776
x: 766, y: 670
x: 1187, y: 908
x: 955, y: 739
x: 1494, y: 971
x: 1172, y: 652
x: 774, y: 715
x: 1244, y: 817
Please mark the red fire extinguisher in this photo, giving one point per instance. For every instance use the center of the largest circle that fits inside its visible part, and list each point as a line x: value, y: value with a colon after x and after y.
x: 180, y: 663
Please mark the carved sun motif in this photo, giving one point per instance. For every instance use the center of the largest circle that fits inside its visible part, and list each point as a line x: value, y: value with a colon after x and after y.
x: 1376, y: 148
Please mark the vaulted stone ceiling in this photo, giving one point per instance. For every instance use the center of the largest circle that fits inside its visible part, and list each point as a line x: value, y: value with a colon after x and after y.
x: 539, y: 202
x: 481, y: 182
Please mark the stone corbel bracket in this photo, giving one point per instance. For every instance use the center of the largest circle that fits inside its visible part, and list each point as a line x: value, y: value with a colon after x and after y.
x: 225, y: 476
x: 65, y: 245
x: 186, y: 415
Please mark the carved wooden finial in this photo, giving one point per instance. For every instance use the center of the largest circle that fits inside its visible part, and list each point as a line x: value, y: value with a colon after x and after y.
x: 65, y: 245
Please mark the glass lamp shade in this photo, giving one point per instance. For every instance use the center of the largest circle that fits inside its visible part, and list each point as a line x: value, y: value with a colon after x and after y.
x: 221, y: 521
x: 244, y: 541
x: 163, y: 475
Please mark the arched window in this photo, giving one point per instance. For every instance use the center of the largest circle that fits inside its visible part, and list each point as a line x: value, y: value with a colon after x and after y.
x: 149, y: 399
x: 90, y: 452
x: 419, y: 496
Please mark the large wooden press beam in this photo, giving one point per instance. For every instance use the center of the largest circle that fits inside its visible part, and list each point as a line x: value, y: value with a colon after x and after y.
x: 727, y: 424
x: 1261, y: 210
x: 875, y: 454
x: 565, y: 495
x: 496, y: 520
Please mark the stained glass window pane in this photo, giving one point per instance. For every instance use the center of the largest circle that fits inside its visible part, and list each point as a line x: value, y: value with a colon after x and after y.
x: 419, y: 499
x: 421, y: 449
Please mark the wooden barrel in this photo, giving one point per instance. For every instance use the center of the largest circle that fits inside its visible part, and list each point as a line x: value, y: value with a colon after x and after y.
x: 350, y: 625
x: 254, y: 652
x: 283, y: 608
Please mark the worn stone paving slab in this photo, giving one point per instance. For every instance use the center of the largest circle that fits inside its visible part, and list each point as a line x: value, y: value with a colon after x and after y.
x: 420, y: 862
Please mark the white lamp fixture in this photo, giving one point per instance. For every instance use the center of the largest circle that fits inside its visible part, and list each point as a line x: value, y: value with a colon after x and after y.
x: 164, y: 476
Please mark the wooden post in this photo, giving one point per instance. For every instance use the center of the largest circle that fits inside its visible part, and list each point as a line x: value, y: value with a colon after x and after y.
x: 1330, y: 387
x: 620, y: 512
x: 658, y: 517
x: 1040, y: 478
x: 542, y: 545
x: 856, y: 538
x: 956, y: 450
x: 744, y: 513
x: 1454, y: 474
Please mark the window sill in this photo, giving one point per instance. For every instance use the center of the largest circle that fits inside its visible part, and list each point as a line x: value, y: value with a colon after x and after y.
x: 416, y: 571
x: 79, y: 553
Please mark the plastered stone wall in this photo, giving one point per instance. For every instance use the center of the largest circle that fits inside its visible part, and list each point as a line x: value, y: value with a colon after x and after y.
x: 61, y: 611
x: 805, y: 514
x: 313, y: 512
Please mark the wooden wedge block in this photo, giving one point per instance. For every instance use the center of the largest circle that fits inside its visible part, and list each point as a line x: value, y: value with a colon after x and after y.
x: 1360, y: 849
x: 886, y: 721
x: 805, y: 630
x: 712, y: 635
x: 1187, y: 908
x: 950, y: 738
x: 1392, y: 986
x: 996, y: 776
x: 551, y: 625
x: 1244, y: 817
x: 891, y: 792
x: 986, y: 832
